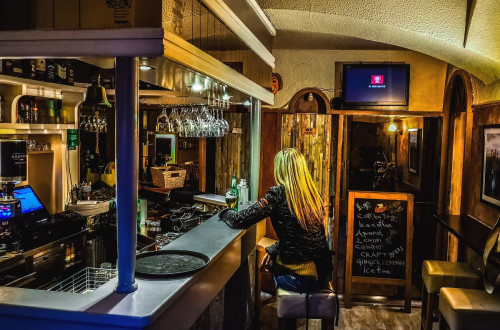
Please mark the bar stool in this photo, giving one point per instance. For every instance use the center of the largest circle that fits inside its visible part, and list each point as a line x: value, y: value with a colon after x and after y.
x: 468, y: 309
x: 321, y: 304
x: 438, y: 274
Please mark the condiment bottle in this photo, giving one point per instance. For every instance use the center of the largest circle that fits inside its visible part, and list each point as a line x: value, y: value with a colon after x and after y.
x: 67, y: 254
x: 72, y: 252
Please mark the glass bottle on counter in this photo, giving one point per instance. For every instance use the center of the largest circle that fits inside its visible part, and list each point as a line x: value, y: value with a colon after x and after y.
x: 243, y: 192
x: 234, y: 188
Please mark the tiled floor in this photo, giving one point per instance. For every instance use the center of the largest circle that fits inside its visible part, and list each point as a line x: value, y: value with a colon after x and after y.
x: 358, y: 317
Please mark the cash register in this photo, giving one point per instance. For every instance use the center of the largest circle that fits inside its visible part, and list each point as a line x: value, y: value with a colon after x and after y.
x: 24, y: 222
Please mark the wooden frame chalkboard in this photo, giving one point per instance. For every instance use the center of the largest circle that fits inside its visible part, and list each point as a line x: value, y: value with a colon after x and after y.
x: 379, y: 241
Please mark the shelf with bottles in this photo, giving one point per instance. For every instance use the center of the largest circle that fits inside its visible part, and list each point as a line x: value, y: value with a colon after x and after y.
x: 18, y: 93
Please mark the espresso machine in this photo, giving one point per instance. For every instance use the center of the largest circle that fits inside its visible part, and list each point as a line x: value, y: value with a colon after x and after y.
x: 12, y: 171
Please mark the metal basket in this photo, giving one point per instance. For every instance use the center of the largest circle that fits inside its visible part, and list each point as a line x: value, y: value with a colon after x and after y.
x: 85, y: 281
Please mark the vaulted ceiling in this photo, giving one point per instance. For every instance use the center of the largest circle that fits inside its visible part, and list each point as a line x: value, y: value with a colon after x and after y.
x: 465, y: 33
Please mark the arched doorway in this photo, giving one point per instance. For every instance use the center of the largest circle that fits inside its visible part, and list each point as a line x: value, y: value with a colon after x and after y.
x: 457, y: 129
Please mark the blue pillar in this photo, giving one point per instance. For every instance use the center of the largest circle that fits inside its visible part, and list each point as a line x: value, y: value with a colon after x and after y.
x: 127, y: 163
x: 255, y: 128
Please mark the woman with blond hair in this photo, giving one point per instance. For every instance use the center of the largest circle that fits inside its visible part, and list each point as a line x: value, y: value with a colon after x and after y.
x: 301, y: 260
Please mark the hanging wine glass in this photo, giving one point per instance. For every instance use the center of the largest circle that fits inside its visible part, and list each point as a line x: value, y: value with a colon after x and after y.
x: 162, y: 121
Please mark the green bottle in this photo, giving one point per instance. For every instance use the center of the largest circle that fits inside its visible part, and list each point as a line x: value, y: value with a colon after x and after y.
x: 234, y: 187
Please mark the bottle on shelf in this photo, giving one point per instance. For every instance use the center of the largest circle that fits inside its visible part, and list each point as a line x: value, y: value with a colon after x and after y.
x: 29, y: 68
x: 51, y: 71
x: 60, y: 71
x: 70, y: 73
x: 40, y: 69
x: 50, y: 111
x: 67, y: 254
x: 72, y: 254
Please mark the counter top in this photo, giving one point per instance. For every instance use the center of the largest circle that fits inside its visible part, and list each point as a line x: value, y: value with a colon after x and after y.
x: 211, y: 199
x: 469, y: 231
x: 138, y: 309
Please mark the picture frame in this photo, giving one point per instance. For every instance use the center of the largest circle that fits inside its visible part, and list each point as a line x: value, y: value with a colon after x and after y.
x: 413, y: 150
x: 490, y: 169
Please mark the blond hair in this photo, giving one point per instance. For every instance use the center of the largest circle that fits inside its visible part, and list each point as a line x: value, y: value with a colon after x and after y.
x: 291, y: 172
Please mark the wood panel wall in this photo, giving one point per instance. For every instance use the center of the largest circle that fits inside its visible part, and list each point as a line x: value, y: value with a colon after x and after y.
x: 232, y: 155
x: 312, y: 135
x: 483, y: 115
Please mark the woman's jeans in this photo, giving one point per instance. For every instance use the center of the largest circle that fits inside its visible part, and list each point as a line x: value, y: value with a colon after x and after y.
x: 295, y: 283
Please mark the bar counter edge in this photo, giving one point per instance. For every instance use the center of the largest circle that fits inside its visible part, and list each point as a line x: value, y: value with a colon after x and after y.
x: 158, y: 303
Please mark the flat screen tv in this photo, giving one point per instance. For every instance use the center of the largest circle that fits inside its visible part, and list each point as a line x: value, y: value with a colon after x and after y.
x: 375, y: 86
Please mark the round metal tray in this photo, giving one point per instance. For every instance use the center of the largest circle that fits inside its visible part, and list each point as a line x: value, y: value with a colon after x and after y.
x: 169, y: 263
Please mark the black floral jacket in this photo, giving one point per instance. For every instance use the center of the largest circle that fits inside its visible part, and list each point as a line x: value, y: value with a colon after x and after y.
x: 295, y: 244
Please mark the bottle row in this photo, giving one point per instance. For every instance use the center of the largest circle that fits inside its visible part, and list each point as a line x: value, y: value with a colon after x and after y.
x: 60, y: 71
x: 39, y: 110
x: 50, y: 70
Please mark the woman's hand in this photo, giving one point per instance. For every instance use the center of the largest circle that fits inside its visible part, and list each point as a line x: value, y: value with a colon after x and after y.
x: 266, y: 262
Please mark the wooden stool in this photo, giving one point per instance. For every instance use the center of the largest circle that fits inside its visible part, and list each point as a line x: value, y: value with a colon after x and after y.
x: 292, y: 306
x: 469, y: 309
x: 438, y: 274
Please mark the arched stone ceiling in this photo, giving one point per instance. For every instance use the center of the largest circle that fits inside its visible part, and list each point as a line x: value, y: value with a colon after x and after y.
x: 433, y: 27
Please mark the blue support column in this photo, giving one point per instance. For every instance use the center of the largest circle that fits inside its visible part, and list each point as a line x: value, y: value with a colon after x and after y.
x: 127, y: 163
x: 255, y: 128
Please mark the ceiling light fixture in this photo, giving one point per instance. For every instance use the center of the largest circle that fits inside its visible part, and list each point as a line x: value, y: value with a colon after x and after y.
x: 246, y: 103
x: 145, y: 67
x: 226, y: 97
x: 197, y: 87
x: 392, y: 127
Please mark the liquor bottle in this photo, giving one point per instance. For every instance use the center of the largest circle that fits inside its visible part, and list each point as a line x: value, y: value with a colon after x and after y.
x: 34, y: 111
x: 8, y: 66
x: 40, y: 105
x: 67, y: 254
x: 51, y: 71
x: 50, y: 111
x: 60, y: 69
x: 17, y: 69
x: 29, y: 68
x: 72, y: 252
x: 57, y: 111
x: 235, y: 190
x: 40, y: 69
x: 70, y: 73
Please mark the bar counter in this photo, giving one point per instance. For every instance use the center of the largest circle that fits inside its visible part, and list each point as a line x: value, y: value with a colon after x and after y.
x: 173, y: 303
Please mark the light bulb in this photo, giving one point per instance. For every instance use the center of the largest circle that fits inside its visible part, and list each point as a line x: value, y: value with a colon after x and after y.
x: 197, y: 87
x: 392, y: 128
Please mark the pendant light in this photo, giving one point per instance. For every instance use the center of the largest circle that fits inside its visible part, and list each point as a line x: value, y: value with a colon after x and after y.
x: 96, y: 95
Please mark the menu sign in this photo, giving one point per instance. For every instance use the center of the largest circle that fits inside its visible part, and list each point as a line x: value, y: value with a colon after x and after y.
x: 379, y: 240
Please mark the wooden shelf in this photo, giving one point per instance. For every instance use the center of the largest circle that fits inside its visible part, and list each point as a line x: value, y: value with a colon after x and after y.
x: 41, y: 88
x: 40, y: 152
x: 11, y: 128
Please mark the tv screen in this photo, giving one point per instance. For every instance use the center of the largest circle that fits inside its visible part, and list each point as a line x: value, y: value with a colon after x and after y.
x: 375, y: 85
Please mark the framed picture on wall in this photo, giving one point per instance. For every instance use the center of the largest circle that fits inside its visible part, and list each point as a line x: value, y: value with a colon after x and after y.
x: 490, y: 174
x: 413, y: 150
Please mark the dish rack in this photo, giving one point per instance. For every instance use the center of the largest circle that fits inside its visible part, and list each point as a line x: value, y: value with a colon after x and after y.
x: 85, y: 281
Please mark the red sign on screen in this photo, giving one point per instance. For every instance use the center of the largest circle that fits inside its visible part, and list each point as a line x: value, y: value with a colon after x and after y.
x: 377, y: 79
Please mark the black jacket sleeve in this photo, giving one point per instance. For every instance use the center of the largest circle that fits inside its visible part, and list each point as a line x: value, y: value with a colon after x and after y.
x: 253, y: 214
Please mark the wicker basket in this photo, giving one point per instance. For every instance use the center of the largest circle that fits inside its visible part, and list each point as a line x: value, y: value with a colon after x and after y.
x: 168, y: 176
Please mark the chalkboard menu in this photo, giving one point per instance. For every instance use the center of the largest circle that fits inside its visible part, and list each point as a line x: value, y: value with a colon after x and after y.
x: 379, y: 239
